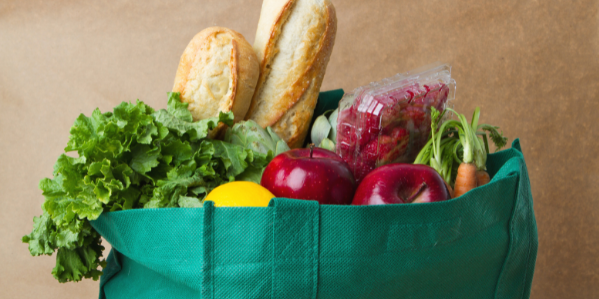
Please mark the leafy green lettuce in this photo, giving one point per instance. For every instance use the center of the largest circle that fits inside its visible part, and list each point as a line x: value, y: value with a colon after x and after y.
x: 133, y: 157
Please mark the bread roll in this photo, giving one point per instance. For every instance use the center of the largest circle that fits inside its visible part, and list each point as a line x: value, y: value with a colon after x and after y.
x: 293, y: 42
x: 218, y: 71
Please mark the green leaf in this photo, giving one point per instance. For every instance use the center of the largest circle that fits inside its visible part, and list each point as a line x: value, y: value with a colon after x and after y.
x: 168, y: 191
x: 177, y: 108
x: 251, y: 174
x: 71, y: 172
x: 333, y: 121
x: 320, y: 129
x: 250, y: 135
x: 234, y: 157
x: 129, y: 198
x: 83, y: 134
x: 42, y: 239
x: 281, y: 147
x: 74, y: 264
x: 73, y: 235
x: 328, y: 144
x: 144, y: 158
x: 262, y: 144
x: 196, y: 130
x: 146, y: 133
x: 201, y: 190
x: 273, y: 135
x: 190, y: 202
x: 179, y: 151
x: 52, y: 189
x: 497, y: 137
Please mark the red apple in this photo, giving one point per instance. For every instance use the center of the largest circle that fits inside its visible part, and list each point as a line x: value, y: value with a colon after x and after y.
x: 313, y: 174
x: 401, y: 183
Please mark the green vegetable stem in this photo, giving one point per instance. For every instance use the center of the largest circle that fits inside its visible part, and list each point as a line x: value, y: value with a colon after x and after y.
x: 457, y: 141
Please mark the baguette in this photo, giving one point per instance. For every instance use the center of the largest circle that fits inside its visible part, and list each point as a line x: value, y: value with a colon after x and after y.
x: 217, y: 72
x: 293, y: 43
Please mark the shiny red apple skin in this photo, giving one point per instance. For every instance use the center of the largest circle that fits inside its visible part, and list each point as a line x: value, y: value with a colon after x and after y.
x: 401, y: 183
x: 324, y: 177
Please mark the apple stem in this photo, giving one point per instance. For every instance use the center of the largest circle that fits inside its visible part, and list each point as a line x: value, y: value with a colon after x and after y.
x: 417, y: 193
x: 311, y: 149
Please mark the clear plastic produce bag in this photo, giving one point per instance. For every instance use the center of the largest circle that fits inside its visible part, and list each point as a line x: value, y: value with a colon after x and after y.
x: 389, y: 120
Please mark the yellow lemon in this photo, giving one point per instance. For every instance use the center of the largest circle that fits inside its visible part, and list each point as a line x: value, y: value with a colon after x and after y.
x: 240, y: 194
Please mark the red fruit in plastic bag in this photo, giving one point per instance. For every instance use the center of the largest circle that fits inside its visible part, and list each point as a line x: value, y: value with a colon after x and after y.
x: 432, y: 94
x: 389, y: 121
x: 406, y: 94
x: 387, y: 148
x: 393, y: 147
x: 415, y: 116
x: 369, y: 128
x: 370, y: 153
x: 439, y: 101
x: 346, y: 133
x: 399, y: 133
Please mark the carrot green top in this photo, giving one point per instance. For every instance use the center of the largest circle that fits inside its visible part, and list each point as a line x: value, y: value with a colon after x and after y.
x: 457, y: 141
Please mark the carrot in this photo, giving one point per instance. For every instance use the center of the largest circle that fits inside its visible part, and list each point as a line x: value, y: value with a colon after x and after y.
x: 482, y: 177
x: 459, y: 144
x: 472, y: 171
x: 466, y: 179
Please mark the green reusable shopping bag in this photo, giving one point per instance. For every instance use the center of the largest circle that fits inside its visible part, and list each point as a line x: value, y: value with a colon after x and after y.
x: 480, y: 245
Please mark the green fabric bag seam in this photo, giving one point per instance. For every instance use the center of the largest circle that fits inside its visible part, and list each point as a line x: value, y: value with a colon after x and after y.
x: 529, y: 227
x: 516, y: 144
x: 315, y: 250
x: 509, y: 250
x: 212, y: 253
x: 512, y: 233
x: 508, y: 261
x: 529, y: 261
x: 207, y: 290
x: 271, y: 204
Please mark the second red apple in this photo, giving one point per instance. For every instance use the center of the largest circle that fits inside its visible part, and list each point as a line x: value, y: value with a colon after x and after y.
x: 401, y: 183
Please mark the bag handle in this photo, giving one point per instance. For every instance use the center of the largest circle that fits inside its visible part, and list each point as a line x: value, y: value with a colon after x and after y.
x: 295, y: 248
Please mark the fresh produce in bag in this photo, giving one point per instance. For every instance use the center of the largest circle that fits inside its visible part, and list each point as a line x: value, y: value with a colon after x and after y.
x: 310, y: 174
x: 458, y: 150
x: 390, y: 121
x: 139, y: 158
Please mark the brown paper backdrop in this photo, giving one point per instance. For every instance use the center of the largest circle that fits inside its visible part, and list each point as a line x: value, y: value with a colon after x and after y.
x: 532, y: 67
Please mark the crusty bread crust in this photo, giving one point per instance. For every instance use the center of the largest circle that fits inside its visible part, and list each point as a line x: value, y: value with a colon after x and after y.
x: 294, y: 41
x: 217, y: 72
